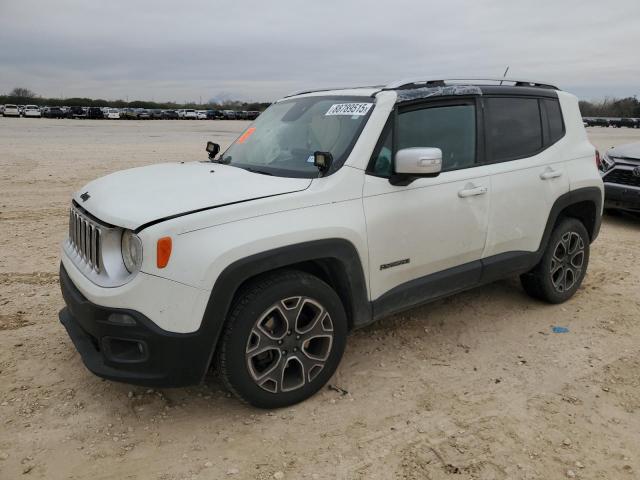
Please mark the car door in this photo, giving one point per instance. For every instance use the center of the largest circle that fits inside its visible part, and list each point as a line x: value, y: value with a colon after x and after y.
x: 523, y: 149
x: 426, y: 238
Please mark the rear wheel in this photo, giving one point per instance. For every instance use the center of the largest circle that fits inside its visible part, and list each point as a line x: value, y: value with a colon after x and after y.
x: 283, y: 340
x: 563, y: 265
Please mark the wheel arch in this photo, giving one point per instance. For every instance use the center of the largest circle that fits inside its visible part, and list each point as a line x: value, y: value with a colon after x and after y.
x: 585, y: 204
x: 335, y: 261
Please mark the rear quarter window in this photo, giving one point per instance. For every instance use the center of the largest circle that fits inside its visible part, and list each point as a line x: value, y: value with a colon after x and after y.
x: 554, y: 119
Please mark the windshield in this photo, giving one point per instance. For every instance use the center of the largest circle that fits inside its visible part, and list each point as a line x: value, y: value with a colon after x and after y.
x: 283, y: 139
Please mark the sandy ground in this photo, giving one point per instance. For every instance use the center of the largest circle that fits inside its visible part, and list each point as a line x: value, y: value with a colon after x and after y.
x: 474, y: 386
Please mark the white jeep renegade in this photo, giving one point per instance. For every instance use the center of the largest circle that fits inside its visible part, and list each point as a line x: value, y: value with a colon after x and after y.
x: 333, y: 209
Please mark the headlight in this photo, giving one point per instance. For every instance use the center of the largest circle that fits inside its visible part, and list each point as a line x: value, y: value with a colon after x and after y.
x: 131, y: 251
x: 607, y: 162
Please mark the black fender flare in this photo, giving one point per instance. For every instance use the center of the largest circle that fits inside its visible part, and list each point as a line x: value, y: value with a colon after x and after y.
x: 339, y: 251
x: 573, y: 197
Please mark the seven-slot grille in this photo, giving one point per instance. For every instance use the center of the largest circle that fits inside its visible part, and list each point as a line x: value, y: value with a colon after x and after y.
x: 623, y: 177
x: 85, y: 236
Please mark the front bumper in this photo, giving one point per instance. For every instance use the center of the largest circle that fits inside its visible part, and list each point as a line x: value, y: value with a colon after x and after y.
x: 142, y: 354
x: 622, y: 197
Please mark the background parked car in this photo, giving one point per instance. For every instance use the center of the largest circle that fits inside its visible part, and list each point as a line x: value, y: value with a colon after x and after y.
x: 201, y: 114
x: 190, y: 114
x: 241, y: 115
x: 624, y: 122
x: 11, y: 110
x: 229, y: 114
x: 252, y: 114
x: 77, y: 112
x: 214, y: 115
x: 170, y: 115
x: 597, y: 122
x: 129, y: 114
x: 112, y: 114
x: 156, y: 114
x: 143, y: 114
x: 95, y: 113
x: 32, y: 111
x: 53, y: 112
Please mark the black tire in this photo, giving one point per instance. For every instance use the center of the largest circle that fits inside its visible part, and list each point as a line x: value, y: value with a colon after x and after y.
x: 267, y: 374
x: 563, y: 265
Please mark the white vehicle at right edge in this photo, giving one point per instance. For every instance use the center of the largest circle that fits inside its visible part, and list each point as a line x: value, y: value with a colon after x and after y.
x: 335, y: 208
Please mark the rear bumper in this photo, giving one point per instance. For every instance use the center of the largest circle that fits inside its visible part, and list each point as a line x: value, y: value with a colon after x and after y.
x: 141, y: 353
x: 621, y: 197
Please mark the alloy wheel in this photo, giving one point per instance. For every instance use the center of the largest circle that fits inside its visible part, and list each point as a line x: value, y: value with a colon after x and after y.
x: 289, y: 344
x: 567, y: 261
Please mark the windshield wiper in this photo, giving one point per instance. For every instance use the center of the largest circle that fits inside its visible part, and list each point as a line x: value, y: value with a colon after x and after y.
x: 255, y: 170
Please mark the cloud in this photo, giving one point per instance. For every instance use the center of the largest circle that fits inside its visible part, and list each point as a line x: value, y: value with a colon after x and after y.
x: 261, y: 50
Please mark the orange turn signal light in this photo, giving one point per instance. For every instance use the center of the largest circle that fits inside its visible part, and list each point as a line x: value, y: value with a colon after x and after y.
x: 163, y: 252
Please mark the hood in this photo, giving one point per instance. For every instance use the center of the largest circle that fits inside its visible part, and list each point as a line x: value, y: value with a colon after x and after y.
x: 135, y: 197
x: 630, y: 150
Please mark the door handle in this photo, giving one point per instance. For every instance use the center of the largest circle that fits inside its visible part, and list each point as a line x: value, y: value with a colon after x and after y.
x: 472, y: 191
x: 550, y: 173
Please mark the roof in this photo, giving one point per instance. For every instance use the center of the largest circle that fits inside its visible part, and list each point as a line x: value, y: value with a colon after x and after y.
x: 410, y: 89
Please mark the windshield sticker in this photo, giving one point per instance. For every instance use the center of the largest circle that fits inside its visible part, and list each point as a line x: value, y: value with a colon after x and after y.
x: 311, y: 159
x: 246, y: 135
x: 350, y: 109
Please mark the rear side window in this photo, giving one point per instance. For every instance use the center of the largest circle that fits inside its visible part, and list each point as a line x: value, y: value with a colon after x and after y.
x: 554, y: 119
x: 514, y: 128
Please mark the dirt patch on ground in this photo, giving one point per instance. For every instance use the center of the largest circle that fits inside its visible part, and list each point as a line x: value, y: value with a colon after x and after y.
x: 476, y: 386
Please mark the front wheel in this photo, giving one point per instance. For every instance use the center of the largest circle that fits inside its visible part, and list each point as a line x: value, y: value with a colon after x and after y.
x: 283, y: 340
x: 563, y: 265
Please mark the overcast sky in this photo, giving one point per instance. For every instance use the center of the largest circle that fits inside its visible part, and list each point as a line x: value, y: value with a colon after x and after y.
x: 261, y: 50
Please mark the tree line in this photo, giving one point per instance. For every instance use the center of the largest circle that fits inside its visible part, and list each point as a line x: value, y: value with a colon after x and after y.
x: 611, y: 107
x: 628, y: 107
x: 24, y: 96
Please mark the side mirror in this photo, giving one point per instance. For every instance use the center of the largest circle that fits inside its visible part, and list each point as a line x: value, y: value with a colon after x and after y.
x: 415, y: 162
x: 213, y: 149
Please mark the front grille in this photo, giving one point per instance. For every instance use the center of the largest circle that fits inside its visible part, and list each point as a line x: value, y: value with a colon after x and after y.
x: 622, y: 177
x: 85, y: 237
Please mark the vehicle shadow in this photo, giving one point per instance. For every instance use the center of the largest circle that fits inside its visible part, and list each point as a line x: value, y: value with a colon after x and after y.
x: 622, y: 218
x: 454, y: 318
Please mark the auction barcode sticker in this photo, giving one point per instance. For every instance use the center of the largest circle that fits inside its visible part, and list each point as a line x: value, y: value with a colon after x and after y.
x: 349, y: 109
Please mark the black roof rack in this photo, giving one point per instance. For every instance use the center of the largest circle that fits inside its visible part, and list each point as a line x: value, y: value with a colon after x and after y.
x: 422, y: 82
x: 442, y: 82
